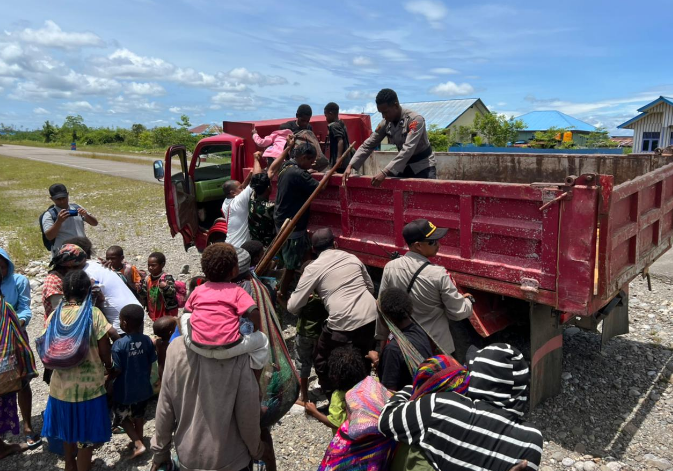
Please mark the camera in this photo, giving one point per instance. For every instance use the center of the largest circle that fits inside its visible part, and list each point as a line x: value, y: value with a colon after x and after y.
x: 73, y: 212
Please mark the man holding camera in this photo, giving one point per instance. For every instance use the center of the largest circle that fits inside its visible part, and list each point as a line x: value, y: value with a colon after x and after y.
x: 63, y: 220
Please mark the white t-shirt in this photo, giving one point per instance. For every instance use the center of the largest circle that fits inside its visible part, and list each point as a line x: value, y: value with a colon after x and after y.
x: 235, y: 211
x: 117, y: 294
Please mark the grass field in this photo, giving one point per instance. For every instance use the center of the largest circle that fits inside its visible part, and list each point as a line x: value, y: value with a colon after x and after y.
x: 84, y: 148
x: 24, y: 195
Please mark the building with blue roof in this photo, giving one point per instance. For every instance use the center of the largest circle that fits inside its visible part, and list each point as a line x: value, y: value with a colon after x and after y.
x: 653, y: 127
x: 445, y: 114
x: 537, y: 121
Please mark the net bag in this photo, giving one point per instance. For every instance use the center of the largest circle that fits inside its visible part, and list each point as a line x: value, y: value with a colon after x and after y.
x: 279, y: 380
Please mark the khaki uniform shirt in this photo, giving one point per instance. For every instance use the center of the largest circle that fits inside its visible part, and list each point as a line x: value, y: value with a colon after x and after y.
x: 435, y: 298
x: 410, y: 137
x: 344, y: 285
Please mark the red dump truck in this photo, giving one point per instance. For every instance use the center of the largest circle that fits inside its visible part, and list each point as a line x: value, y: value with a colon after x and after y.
x: 539, y: 239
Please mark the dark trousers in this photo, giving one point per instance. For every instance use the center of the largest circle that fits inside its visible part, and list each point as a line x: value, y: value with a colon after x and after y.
x: 429, y: 173
x: 361, y: 338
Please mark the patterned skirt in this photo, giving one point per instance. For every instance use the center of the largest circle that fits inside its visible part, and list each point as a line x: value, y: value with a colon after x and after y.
x: 9, y: 414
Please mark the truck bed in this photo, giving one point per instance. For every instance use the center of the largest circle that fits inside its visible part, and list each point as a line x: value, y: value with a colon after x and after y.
x: 519, y: 225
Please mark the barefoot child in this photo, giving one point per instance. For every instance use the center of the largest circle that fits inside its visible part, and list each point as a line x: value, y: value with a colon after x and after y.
x: 346, y: 369
x: 132, y: 357
x: 158, y: 289
x: 164, y: 328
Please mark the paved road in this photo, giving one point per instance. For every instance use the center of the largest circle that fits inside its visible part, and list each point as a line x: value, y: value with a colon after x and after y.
x: 141, y: 171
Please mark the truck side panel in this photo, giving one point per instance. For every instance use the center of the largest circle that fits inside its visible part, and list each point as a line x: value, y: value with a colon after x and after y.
x: 636, y: 228
x: 498, y: 239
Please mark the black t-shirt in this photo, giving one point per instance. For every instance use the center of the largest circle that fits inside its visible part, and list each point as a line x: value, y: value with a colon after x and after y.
x: 294, y: 127
x: 294, y: 187
x: 337, y: 130
x: 393, y: 370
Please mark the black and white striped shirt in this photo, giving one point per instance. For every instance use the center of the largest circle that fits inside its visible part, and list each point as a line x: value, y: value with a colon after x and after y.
x: 456, y: 432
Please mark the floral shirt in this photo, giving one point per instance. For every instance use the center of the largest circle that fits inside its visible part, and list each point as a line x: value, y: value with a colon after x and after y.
x: 85, y: 381
x: 260, y: 221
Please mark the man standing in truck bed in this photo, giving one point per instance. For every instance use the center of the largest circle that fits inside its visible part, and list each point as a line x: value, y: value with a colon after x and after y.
x: 405, y: 129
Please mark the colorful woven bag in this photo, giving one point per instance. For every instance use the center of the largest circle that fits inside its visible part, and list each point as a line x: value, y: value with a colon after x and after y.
x: 64, y: 346
x: 17, y: 363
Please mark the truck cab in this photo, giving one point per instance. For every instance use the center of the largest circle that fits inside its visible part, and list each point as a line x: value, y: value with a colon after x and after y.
x: 193, y: 183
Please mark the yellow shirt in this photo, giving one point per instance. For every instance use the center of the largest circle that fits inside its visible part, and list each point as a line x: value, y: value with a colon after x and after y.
x: 85, y: 381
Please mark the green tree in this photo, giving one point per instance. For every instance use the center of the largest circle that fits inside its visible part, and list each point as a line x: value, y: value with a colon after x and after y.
x: 439, y: 141
x: 73, y: 126
x: 138, y: 129
x: 496, y: 128
x: 461, y: 135
x: 600, y: 138
x: 48, y: 131
x: 184, y: 122
x: 549, y: 139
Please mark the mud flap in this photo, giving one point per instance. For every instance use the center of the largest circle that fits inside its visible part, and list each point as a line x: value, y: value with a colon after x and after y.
x: 616, y: 320
x: 546, y: 351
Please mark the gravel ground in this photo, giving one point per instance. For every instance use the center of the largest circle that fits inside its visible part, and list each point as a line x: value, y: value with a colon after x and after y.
x: 615, y: 410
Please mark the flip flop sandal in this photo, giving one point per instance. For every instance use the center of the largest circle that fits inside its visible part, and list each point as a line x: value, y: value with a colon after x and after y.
x: 35, y: 438
x: 118, y: 430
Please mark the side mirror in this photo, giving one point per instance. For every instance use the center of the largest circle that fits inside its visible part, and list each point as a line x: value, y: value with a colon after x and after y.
x: 159, y: 170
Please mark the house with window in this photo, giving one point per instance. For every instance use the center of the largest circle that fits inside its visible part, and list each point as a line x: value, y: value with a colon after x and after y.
x: 653, y: 127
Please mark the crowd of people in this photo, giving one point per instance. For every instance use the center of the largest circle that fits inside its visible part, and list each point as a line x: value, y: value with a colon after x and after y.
x: 215, y: 358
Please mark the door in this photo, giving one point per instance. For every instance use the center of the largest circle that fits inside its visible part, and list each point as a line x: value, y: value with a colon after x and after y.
x: 181, y: 208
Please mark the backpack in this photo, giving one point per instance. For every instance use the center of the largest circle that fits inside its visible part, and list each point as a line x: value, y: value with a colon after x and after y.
x: 180, y: 293
x: 48, y: 244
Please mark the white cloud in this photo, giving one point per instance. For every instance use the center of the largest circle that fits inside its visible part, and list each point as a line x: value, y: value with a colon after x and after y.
x: 444, y: 71
x: 121, y: 105
x: 145, y: 89
x: 243, y: 75
x: 235, y: 100
x: 370, y: 107
x: 193, y: 110
x: 360, y: 95
x: 450, y: 89
x: 125, y: 64
x: 40, y: 110
x: 51, y: 35
x: 78, y: 106
x: 433, y: 11
x: 362, y: 61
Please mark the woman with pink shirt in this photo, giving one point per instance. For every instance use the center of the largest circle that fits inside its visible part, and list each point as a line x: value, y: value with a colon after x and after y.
x: 274, y: 142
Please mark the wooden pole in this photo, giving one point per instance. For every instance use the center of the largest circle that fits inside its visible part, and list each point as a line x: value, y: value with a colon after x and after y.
x: 287, y: 229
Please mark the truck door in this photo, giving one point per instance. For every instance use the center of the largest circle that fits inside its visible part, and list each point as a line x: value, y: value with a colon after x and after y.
x: 181, y: 208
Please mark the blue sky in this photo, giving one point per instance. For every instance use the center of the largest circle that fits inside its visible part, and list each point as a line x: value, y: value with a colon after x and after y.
x: 147, y: 61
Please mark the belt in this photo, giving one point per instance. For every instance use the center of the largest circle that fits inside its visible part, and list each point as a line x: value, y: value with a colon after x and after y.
x: 424, y: 154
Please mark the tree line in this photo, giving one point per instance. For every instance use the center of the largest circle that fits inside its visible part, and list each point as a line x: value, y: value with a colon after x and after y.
x: 74, y: 129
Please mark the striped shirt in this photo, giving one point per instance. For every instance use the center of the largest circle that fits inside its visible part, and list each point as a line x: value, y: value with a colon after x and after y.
x: 456, y: 432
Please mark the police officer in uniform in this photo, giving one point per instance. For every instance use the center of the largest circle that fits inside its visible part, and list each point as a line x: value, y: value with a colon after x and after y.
x: 405, y: 129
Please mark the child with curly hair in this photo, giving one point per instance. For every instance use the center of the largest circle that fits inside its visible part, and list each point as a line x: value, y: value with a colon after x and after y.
x: 346, y: 369
x: 158, y: 291
x: 216, y: 310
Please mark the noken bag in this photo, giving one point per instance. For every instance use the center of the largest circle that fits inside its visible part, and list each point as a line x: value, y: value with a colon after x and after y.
x: 64, y: 346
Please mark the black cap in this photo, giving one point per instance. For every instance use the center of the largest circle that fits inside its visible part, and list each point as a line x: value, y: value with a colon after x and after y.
x: 58, y: 190
x: 322, y: 238
x: 421, y: 230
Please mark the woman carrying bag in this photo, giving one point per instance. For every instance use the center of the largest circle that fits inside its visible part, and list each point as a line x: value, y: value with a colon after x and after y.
x: 75, y: 344
x: 17, y: 367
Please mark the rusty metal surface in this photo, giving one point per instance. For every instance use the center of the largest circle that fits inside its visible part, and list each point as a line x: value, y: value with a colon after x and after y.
x: 529, y: 168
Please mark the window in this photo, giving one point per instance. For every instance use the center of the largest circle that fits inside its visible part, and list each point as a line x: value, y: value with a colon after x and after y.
x: 650, y: 141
